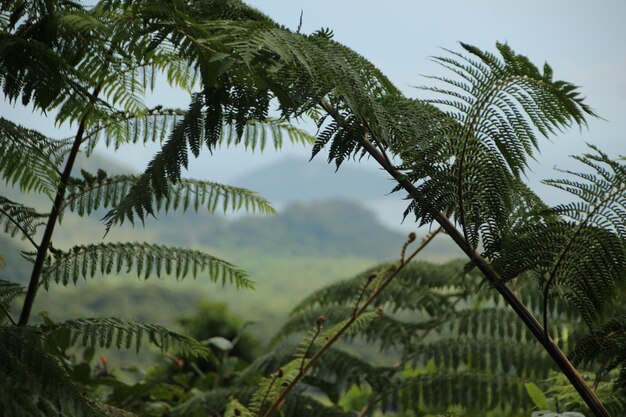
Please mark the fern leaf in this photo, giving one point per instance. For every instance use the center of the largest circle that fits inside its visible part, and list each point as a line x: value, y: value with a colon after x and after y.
x: 34, y: 383
x: 499, y: 104
x: 19, y: 219
x: 573, y: 252
x: 113, y: 332
x: 9, y: 291
x: 146, y: 259
x: 28, y: 159
x: 103, y: 191
x: 475, y: 392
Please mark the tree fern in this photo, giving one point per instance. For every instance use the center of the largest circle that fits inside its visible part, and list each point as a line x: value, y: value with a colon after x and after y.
x: 470, y: 351
x: 113, y: 332
x: 94, y: 192
x: 146, y: 259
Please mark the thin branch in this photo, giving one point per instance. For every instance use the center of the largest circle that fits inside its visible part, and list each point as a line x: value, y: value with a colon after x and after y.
x: 332, y: 339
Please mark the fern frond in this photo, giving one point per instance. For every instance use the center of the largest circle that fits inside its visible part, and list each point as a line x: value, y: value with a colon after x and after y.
x: 268, y: 389
x: 419, y: 285
x: 499, y: 104
x: 146, y: 259
x: 114, y: 332
x: 584, y: 256
x: 28, y: 159
x: 93, y: 192
x: 9, y: 291
x: 475, y: 392
x: 507, y: 357
x: 34, y: 383
x: 606, y: 345
x: 236, y: 409
x: 601, y: 194
x: 16, y: 218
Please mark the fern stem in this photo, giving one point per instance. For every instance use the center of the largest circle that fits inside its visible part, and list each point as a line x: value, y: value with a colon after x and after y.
x: 492, y: 276
x: 331, y: 340
x: 42, y: 250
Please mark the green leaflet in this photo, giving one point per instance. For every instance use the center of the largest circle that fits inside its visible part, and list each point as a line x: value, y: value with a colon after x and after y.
x: 144, y: 258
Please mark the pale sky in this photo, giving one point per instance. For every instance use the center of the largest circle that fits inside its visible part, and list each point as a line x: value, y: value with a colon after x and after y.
x: 583, y: 41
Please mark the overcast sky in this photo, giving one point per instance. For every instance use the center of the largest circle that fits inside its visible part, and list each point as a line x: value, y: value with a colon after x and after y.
x: 583, y: 41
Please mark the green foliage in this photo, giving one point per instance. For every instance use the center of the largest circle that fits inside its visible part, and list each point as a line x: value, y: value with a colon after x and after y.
x: 582, y: 252
x: 102, y: 191
x: 93, y: 67
x: 29, y: 159
x: 108, y: 332
x: 146, y: 259
x: 19, y: 219
x: 34, y: 383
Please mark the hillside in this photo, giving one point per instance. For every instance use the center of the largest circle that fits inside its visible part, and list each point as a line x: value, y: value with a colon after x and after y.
x: 291, y: 179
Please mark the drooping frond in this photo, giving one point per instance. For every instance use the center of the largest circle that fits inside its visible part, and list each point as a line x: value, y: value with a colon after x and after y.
x: 16, y: 218
x: 33, y: 383
x: 485, y: 355
x: 122, y: 334
x: 607, y: 345
x: 9, y: 291
x: 473, y: 392
x: 150, y: 125
x: 155, y: 125
x: 93, y: 192
x: 189, y: 134
x: 419, y: 285
x: 582, y: 253
x: 28, y: 159
x: 146, y: 259
x: 601, y: 194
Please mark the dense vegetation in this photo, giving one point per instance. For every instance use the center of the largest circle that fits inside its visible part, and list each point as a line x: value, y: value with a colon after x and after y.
x: 478, y: 337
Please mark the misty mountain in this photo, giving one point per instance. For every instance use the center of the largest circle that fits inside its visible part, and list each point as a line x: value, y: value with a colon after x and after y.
x: 292, y: 179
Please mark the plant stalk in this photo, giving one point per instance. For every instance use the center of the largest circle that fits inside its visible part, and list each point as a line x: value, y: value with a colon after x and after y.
x: 492, y: 276
x: 42, y: 251
x: 57, y: 207
x: 355, y: 315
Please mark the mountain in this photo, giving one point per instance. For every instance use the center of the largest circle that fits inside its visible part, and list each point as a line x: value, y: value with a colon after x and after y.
x: 292, y: 179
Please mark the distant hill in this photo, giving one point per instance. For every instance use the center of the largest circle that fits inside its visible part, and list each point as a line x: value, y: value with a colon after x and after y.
x: 292, y: 179
x: 325, y: 228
